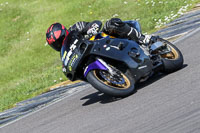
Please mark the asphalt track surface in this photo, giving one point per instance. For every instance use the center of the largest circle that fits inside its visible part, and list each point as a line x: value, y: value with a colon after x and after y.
x: 164, y: 104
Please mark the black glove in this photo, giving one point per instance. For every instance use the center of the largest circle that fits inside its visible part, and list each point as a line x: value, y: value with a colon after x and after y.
x: 92, y: 28
x: 112, y: 26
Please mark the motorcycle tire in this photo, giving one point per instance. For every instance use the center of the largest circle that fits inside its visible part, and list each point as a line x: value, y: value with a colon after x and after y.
x: 172, y: 61
x: 97, y: 81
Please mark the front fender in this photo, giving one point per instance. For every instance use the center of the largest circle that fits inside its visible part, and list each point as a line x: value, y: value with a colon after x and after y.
x: 95, y: 65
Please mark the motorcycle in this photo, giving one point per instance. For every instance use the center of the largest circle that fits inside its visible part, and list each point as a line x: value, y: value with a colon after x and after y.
x: 113, y: 65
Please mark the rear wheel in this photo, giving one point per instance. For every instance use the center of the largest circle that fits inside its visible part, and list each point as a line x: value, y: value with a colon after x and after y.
x: 171, y: 56
x: 118, y: 84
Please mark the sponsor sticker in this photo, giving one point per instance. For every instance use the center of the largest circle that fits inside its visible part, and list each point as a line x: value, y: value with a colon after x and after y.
x: 72, y: 61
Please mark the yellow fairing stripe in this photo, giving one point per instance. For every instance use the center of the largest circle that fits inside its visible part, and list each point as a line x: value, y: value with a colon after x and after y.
x: 102, y: 34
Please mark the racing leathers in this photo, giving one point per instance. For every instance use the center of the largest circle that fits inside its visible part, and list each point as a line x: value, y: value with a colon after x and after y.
x: 87, y: 29
x: 114, y: 27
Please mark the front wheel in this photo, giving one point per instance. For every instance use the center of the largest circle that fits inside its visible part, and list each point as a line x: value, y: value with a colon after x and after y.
x: 119, y: 85
x: 172, y: 57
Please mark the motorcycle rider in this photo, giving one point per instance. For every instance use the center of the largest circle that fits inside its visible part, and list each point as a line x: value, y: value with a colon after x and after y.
x: 57, y: 33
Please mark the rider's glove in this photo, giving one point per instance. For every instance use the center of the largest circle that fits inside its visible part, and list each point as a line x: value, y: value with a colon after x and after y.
x: 112, y: 26
x: 116, y: 27
x: 93, y: 28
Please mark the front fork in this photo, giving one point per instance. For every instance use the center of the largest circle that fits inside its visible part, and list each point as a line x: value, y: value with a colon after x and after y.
x: 157, y: 63
x: 156, y: 59
x: 98, y: 64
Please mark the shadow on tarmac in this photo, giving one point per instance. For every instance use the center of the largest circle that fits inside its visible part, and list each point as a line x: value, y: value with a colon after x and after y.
x: 98, y: 97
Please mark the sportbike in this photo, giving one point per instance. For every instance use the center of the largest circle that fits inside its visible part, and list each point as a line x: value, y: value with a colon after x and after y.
x: 113, y: 65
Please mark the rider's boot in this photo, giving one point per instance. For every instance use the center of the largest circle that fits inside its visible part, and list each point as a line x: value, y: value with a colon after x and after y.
x: 133, y: 34
x: 147, y: 40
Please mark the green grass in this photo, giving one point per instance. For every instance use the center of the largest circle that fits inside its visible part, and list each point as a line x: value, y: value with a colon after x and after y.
x: 27, y: 66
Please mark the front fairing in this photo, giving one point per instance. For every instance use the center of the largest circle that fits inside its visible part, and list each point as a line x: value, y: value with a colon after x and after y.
x: 140, y: 65
x: 70, y: 55
x: 105, y: 47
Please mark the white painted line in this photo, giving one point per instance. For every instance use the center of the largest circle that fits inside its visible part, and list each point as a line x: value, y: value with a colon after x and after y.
x: 188, y: 35
x: 176, y: 36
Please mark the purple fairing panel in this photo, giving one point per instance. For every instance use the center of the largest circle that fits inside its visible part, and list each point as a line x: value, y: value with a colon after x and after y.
x: 95, y: 65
